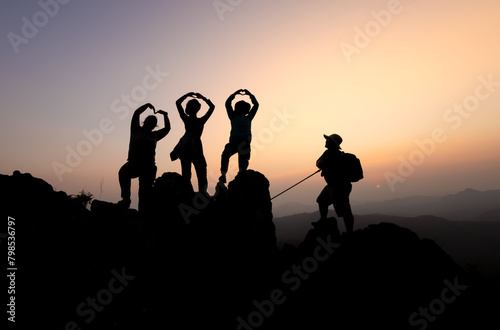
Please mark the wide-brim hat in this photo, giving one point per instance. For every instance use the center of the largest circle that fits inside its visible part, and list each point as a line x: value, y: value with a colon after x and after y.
x: 335, y: 138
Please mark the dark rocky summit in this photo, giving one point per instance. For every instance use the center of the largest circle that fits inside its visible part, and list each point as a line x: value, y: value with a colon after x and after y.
x: 198, y: 262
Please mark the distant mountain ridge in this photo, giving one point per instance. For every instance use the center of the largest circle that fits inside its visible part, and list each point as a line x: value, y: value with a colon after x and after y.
x: 469, y: 243
x: 219, y: 266
x: 469, y: 204
x: 291, y: 208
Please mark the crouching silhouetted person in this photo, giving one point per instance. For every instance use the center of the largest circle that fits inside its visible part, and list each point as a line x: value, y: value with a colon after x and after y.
x: 141, y: 155
x: 338, y: 186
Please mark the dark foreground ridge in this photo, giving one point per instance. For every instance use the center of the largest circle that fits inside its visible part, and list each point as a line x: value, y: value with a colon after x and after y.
x: 199, y: 263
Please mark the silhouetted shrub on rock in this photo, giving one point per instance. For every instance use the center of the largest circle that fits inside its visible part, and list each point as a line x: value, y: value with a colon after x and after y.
x: 222, y: 266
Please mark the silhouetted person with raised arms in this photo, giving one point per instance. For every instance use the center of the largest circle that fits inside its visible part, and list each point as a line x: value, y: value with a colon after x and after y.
x: 141, y: 155
x: 338, y: 186
x: 241, y: 131
x: 189, y: 149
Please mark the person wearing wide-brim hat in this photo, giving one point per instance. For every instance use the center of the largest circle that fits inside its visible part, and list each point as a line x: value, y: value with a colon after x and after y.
x: 338, y: 187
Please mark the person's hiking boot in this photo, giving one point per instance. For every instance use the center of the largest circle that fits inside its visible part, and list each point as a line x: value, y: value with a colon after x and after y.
x: 203, y: 190
x: 220, y: 190
x: 124, y: 203
x: 204, y: 193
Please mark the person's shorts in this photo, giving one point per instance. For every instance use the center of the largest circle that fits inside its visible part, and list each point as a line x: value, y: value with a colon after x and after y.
x: 338, y: 196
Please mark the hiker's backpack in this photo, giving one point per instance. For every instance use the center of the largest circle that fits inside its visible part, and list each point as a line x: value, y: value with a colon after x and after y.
x: 352, y: 167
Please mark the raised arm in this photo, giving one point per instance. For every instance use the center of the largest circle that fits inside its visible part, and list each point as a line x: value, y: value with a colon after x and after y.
x: 135, y: 123
x: 229, y: 105
x: 180, y: 109
x: 161, y: 133
x: 255, y: 106
x: 211, y: 107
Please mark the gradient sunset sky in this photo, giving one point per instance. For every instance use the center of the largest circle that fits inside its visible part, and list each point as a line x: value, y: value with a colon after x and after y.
x: 413, y: 87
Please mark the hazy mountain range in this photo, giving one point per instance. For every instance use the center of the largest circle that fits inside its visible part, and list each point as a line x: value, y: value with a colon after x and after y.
x: 472, y: 244
x: 466, y: 225
x: 469, y: 204
x: 219, y: 265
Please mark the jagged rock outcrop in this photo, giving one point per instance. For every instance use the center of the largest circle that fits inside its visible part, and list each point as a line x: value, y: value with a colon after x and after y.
x: 220, y: 268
